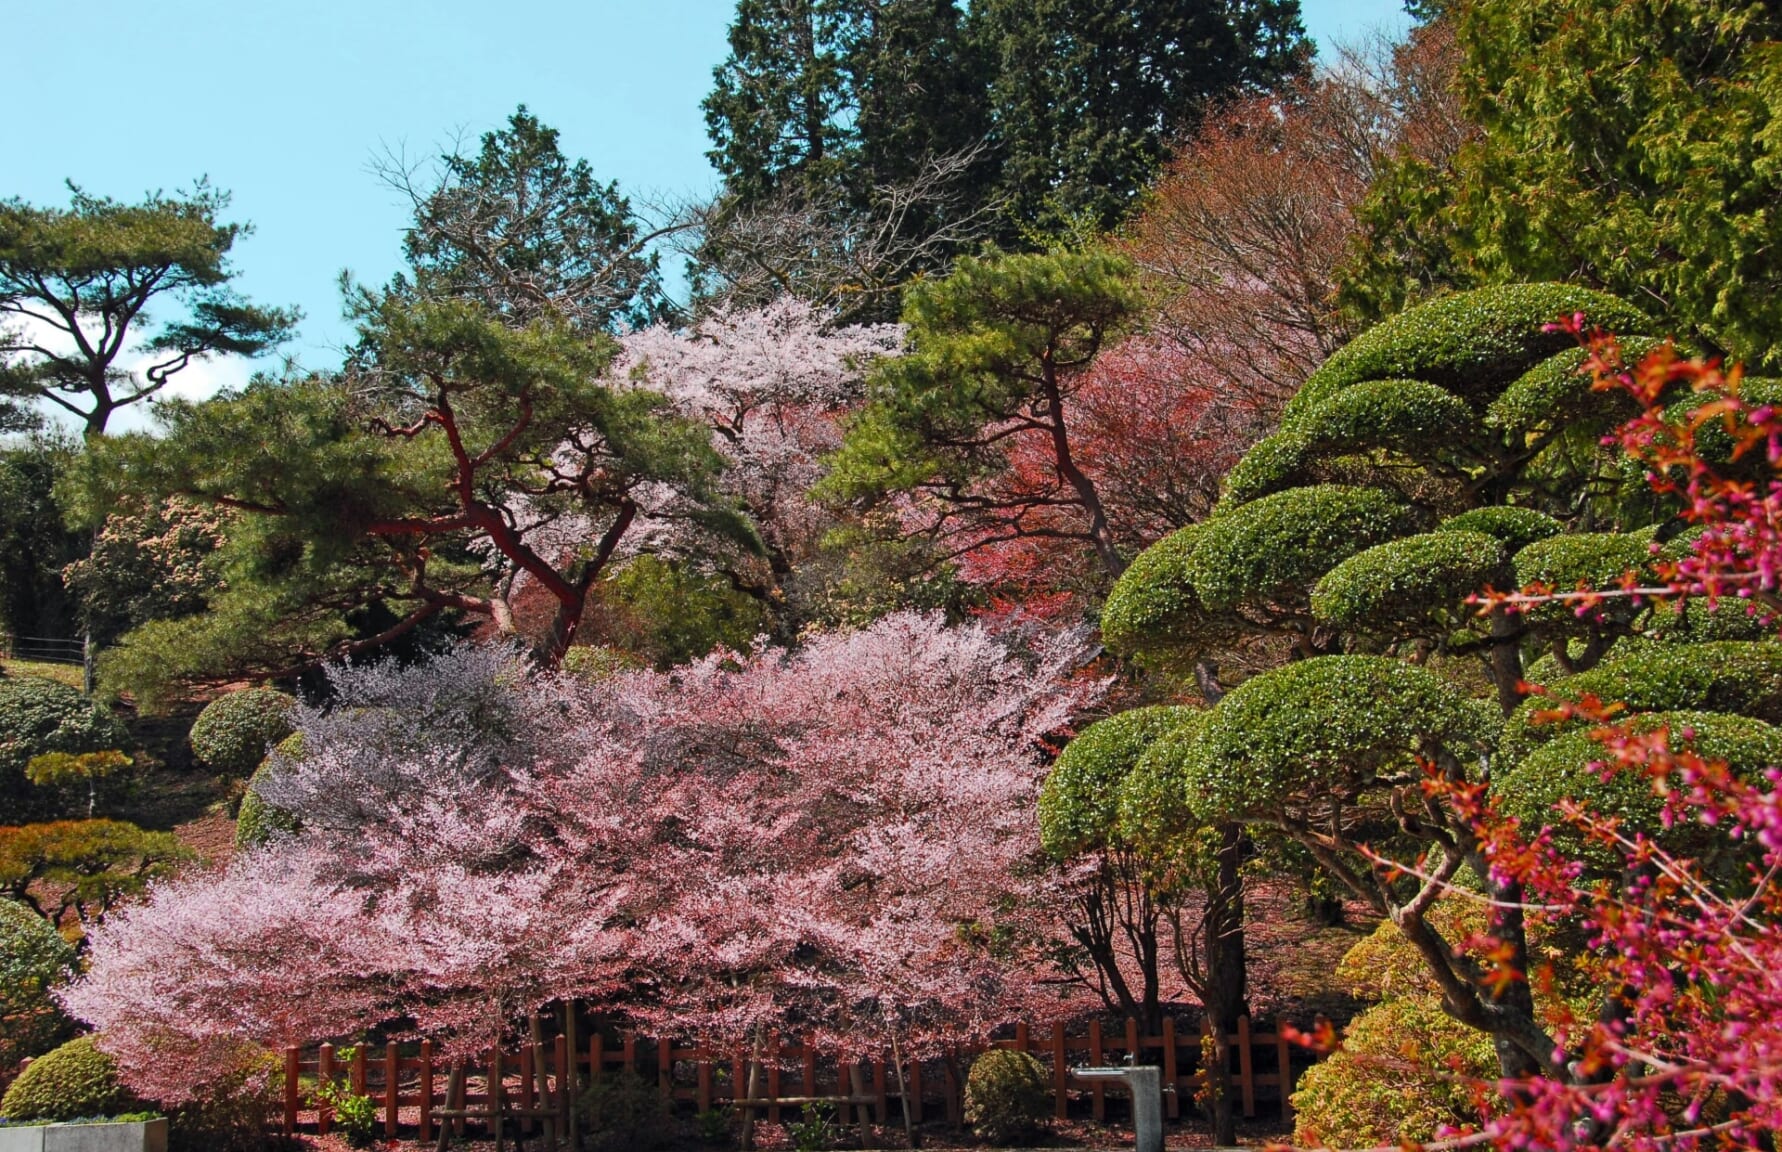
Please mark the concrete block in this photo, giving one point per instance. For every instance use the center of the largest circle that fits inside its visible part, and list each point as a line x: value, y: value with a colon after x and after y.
x: 21, y: 1138
x: 143, y: 1136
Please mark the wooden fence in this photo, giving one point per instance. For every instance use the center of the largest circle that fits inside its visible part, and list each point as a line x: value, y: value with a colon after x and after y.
x: 537, y: 1084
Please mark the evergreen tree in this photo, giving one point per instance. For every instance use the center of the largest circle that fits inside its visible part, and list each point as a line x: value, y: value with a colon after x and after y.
x: 1088, y: 93
x: 1630, y: 147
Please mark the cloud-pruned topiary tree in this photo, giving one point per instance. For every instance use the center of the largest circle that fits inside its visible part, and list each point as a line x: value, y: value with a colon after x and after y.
x: 1453, y: 448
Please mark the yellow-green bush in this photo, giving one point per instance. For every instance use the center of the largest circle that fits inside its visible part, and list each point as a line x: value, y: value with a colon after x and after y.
x: 1006, y: 1096
x: 75, y: 1080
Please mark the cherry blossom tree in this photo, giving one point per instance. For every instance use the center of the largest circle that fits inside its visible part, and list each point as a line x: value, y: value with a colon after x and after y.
x: 817, y: 840
x: 772, y: 383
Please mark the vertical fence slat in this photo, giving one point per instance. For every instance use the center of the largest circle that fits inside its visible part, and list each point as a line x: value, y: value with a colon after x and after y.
x: 293, y: 1089
x: 358, y: 1073
x: 1022, y: 1040
x: 955, y: 1110
x: 1284, y: 1061
x: 565, y: 1082
x: 881, y: 1105
x: 324, y: 1074
x: 426, y: 1090
x: 665, y: 1070
x: 704, y: 1070
x: 1060, y: 1073
x: 596, y: 1057
x: 773, y: 1078
x: 809, y: 1054
x: 1098, y: 1060
x: 1246, y: 1071
x: 631, y: 1051
x: 528, y: 1058
x: 1172, y: 1096
x: 495, y: 1090
x: 914, y: 1101
x: 392, y: 1089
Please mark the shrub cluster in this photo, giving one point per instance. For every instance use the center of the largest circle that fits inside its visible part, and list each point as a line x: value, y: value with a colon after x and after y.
x: 233, y: 733
x: 39, y: 716
x: 34, y: 959
x: 1006, y: 1096
x: 75, y: 1080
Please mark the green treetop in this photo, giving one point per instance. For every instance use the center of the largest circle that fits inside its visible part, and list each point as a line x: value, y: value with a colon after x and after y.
x: 1626, y: 146
x: 80, y: 288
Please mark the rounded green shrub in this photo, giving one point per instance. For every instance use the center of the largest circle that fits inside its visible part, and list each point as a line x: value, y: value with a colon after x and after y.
x: 1079, y: 804
x: 1328, y: 721
x: 1274, y: 549
x: 75, y: 1080
x: 1153, y: 613
x: 38, y: 716
x: 256, y: 821
x: 34, y: 959
x: 234, y: 731
x: 1400, y: 1077
x: 1562, y: 769
x: 624, y: 1112
x: 1408, y: 582
x: 1406, y: 416
x: 1589, y: 559
x: 1471, y: 343
x: 1153, y: 804
x: 1516, y: 528
x: 1737, y: 678
x: 1558, y: 391
x: 1006, y: 1096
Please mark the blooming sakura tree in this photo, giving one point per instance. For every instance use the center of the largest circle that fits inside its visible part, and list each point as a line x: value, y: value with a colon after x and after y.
x: 772, y: 383
x: 821, y: 840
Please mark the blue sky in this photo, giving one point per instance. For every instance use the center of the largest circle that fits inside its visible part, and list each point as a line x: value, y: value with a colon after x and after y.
x: 285, y: 104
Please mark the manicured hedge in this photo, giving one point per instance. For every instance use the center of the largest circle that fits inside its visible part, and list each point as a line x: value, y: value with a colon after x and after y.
x: 1471, y: 343
x: 1405, y: 585
x: 1562, y: 769
x: 38, y: 716
x: 1557, y: 391
x: 1079, y: 804
x: 1275, y: 549
x: 1153, y: 606
x: 1154, y: 811
x: 1007, y: 1096
x: 257, y: 821
x: 1729, y: 676
x: 1516, y: 527
x: 1406, y: 416
x: 1326, y: 721
x: 75, y: 1080
x: 234, y: 732
x: 33, y: 960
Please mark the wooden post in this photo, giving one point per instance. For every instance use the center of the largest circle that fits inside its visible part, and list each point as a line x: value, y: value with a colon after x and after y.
x: 1246, y: 1074
x: 955, y: 1105
x: 392, y: 1089
x: 571, y: 1121
x: 857, y: 1077
x: 704, y: 1068
x: 773, y: 1078
x: 496, y: 1075
x: 358, y: 1072
x: 1060, y: 1073
x: 631, y: 1051
x: 881, y: 1107
x: 596, y: 1057
x: 914, y: 1100
x: 324, y: 1075
x: 565, y: 1077
x: 293, y: 1094
x: 665, y: 1072
x: 1284, y: 1060
x: 426, y: 1090
x: 457, y: 1097
x: 1172, y: 1096
x: 1097, y: 1059
x: 1021, y: 1038
x: 526, y: 1095
x: 542, y: 1074
x: 809, y: 1053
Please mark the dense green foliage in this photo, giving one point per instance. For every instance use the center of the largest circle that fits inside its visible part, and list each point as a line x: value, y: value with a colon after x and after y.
x: 256, y: 821
x: 38, y: 716
x: 35, y: 546
x: 1631, y: 146
x: 34, y: 959
x: 1080, y: 805
x: 1006, y: 1096
x: 75, y: 1080
x: 1393, y: 587
x: 235, y: 730
x: 83, y: 867
x: 114, y: 265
